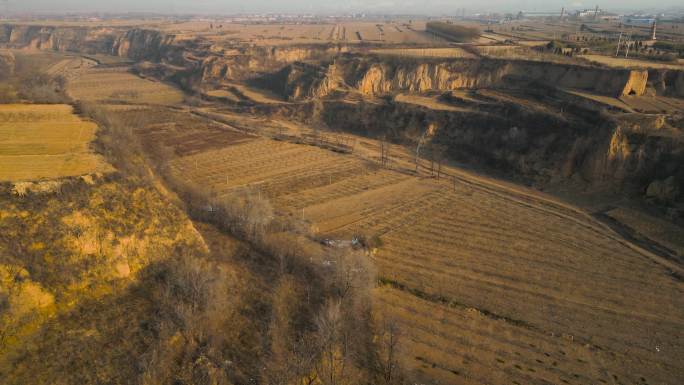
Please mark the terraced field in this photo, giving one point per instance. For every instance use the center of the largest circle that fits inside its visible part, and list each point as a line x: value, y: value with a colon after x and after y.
x: 45, y: 141
x: 547, y: 274
x: 491, y: 283
x: 273, y: 167
x: 120, y: 86
x: 395, y: 32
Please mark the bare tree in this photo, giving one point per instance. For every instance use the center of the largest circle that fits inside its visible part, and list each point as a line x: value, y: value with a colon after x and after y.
x: 334, y: 361
x: 389, y: 337
x: 437, y: 153
x: 353, y: 273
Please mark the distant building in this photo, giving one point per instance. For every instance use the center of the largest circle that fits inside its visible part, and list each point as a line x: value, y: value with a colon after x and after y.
x: 589, y: 13
x: 638, y: 20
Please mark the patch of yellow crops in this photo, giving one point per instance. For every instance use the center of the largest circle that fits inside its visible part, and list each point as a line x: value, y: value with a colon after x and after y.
x: 45, y: 141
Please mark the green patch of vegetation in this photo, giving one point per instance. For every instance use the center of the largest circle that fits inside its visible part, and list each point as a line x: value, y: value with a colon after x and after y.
x: 453, y: 32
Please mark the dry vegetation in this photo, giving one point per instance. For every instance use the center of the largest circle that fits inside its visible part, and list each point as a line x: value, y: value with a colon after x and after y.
x: 278, y: 307
x: 394, y: 32
x: 45, y: 141
x: 74, y: 256
x: 657, y: 229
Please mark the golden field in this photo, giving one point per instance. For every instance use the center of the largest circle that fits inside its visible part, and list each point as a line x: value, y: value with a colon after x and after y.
x: 390, y: 32
x: 117, y: 85
x: 45, y: 141
x: 622, y: 62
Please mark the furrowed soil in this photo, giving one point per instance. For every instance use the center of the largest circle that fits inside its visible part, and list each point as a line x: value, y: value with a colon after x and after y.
x: 491, y: 283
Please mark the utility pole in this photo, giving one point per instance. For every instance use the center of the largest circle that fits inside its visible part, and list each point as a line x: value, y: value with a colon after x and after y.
x: 384, y: 153
x: 617, y: 51
x: 420, y: 143
x: 627, y: 44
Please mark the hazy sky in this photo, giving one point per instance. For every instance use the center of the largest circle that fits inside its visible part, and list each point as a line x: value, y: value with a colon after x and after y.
x: 320, y: 6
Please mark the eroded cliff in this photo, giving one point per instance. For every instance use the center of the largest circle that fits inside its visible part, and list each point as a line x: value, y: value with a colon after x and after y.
x: 371, y: 75
x: 378, y: 77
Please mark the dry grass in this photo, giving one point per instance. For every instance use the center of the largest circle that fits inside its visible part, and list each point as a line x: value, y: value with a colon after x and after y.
x: 74, y: 258
x: 657, y: 104
x: 659, y: 230
x: 431, y: 102
x: 223, y: 94
x: 602, y: 99
x: 257, y: 95
x: 118, y: 85
x: 45, y: 141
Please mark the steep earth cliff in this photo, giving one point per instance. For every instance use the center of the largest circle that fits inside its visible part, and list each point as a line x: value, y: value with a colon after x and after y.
x: 381, y: 76
x: 377, y: 77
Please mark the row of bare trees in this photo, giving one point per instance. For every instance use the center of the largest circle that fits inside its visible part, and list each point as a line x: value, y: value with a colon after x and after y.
x: 322, y: 329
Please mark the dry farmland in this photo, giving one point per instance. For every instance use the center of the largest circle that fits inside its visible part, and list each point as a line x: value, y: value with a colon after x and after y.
x: 631, y: 63
x: 491, y: 284
x: 425, y: 52
x: 45, y: 141
x: 394, y: 32
x: 117, y: 85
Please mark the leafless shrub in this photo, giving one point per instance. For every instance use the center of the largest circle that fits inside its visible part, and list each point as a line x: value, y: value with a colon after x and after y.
x: 117, y: 140
x: 389, y: 337
x: 319, y: 319
x: 43, y: 88
x: 195, y: 308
